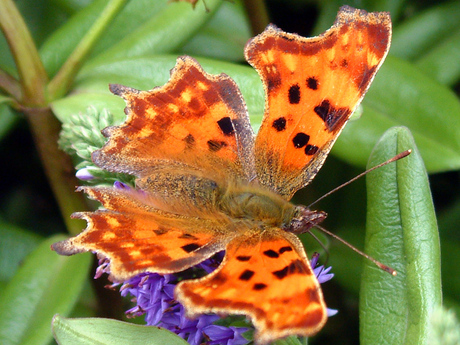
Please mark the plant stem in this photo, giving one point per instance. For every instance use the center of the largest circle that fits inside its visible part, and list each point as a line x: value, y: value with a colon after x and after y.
x: 32, y: 74
x: 258, y: 15
x: 10, y: 85
x: 30, y: 98
x: 61, y: 83
x: 58, y: 165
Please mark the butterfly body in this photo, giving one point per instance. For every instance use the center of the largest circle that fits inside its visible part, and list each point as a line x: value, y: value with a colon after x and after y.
x: 205, y: 183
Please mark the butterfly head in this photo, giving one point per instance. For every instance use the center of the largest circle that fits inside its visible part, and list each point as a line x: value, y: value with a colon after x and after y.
x: 304, y: 219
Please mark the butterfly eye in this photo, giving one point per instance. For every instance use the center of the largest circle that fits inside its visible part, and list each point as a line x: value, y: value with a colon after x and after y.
x: 304, y: 219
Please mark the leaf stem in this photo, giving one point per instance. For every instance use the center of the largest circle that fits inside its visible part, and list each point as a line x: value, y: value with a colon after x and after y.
x: 10, y: 85
x: 30, y: 98
x: 258, y: 15
x: 32, y: 74
x: 57, y: 164
x: 61, y: 83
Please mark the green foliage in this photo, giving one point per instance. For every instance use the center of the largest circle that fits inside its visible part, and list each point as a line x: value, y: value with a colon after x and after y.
x: 445, y: 328
x: 401, y: 231
x: 81, y: 136
x: 97, y: 331
x: 66, y: 52
x: 45, y: 284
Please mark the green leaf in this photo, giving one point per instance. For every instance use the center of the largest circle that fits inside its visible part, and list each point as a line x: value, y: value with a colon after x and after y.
x: 415, y: 36
x: 224, y: 36
x: 441, y: 62
x: 131, y: 18
x: 7, y: 119
x: 329, y: 10
x: 46, y: 284
x: 445, y: 328
x: 145, y: 73
x: 401, y: 95
x: 15, y: 244
x: 63, y: 41
x: 402, y: 233
x: 292, y: 340
x: 163, y: 33
x: 107, y: 332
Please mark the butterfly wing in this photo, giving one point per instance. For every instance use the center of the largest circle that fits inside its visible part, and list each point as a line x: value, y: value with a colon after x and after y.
x: 196, y: 120
x: 313, y: 85
x: 137, y: 237
x: 267, y: 276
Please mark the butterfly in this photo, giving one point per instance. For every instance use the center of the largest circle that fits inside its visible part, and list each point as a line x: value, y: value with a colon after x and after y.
x: 205, y: 183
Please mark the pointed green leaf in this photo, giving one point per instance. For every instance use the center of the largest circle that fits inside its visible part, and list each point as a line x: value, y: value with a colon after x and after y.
x: 292, y: 340
x: 165, y: 32
x: 441, y: 62
x: 402, y: 233
x: 401, y: 95
x: 416, y: 35
x: 47, y: 283
x: 63, y: 41
x: 98, y: 331
x: 15, y: 244
x: 224, y: 36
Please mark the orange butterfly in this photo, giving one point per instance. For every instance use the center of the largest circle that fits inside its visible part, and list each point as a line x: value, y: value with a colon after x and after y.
x: 206, y: 183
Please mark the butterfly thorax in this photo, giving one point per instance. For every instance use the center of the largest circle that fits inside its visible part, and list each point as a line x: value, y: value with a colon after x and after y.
x: 256, y: 204
x: 269, y: 209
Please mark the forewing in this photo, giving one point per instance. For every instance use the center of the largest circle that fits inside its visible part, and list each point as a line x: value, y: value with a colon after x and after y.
x: 196, y: 120
x: 313, y: 85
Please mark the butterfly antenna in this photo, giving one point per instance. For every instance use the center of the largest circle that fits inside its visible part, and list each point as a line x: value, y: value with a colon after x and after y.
x: 322, y: 246
x: 391, y: 160
x: 377, y: 263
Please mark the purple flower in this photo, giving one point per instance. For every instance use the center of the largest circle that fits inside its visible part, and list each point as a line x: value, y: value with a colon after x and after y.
x: 220, y: 335
x: 323, y: 275
x: 121, y: 185
x: 154, y: 294
x: 84, y: 174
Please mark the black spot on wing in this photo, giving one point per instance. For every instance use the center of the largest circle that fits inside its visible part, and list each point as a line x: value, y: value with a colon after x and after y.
x: 273, y: 83
x: 285, y: 249
x: 331, y: 116
x: 246, y: 275
x: 190, y: 247
x: 300, y: 140
x: 243, y: 258
x: 214, y: 145
x: 294, y: 94
x: 312, y: 83
x: 281, y: 274
x: 311, y: 150
x: 271, y: 253
x: 189, y: 140
x: 259, y: 286
x: 279, y: 124
x: 295, y: 267
x: 226, y: 125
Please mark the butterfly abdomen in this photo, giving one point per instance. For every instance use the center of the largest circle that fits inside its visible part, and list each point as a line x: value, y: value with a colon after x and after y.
x: 180, y: 192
